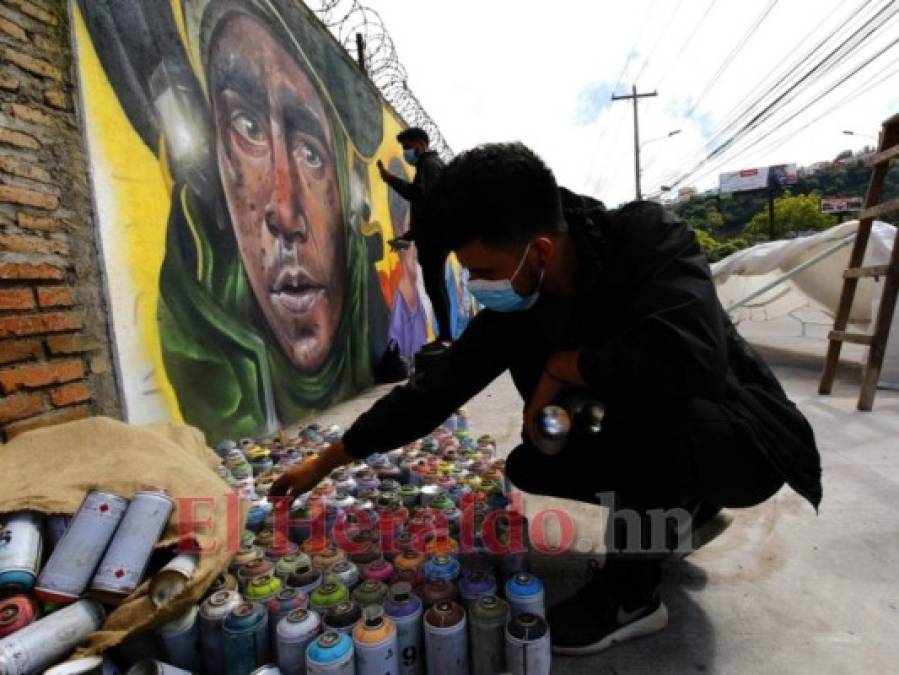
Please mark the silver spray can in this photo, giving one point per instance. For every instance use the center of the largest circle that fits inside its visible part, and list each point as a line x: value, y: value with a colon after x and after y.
x: 446, y: 640
x: 74, y: 559
x: 405, y: 608
x: 295, y: 632
x: 41, y: 644
x: 180, y: 640
x: 21, y: 543
x: 374, y: 639
x: 212, y: 641
x: 487, y: 632
x: 123, y: 564
x: 171, y: 579
x: 553, y: 427
x: 527, y: 645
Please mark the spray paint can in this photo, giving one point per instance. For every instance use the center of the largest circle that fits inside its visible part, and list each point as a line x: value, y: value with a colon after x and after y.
x: 405, y: 608
x: 370, y: 592
x: 327, y: 595
x: 442, y: 567
x: 379, y: 569
x: 255, y: 569
x: 524, y: 592
x: 294, y: 633
x: 327, y: 557
x: 409, y: 560
x: 267, y: 669
x: 475, y: 584
x: 438, y: 590
x: 73, y: 561
x: 245, y: 554
x: 553, y: 428
x: 181, y: 640
x: 262, y: 589
x: 124, y: 562
x: 153, y: 667
x: 446, y: 640
x: 286, y: 601
x: 343, y: 617
x: 45, y: 642
x: 306, y: 578
x: 21, y: 544
x: 332, y: 653
x: 375, y: 642
x: 246, y: 638
x: 289, y: 564
x: 16, y: 613
x: 171, y: 579
x: 527, y: 645
x: 487, y: 624
x: 212, y: 638
x: 345, y: 572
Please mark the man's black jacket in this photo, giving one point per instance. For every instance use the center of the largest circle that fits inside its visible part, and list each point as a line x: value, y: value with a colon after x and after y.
x: 652, y: 335
x: 427, y: 173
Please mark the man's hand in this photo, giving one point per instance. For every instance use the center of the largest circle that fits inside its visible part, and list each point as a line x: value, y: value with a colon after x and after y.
x: 385, y: 174
x: 300, y: 479
x: 560, y: 371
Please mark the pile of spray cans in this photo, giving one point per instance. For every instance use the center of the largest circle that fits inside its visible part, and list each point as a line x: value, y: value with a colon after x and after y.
x: 58, y: 573
x: 414, y: 561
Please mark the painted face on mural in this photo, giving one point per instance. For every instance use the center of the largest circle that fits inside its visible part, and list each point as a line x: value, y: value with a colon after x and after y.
x: 276, y: 158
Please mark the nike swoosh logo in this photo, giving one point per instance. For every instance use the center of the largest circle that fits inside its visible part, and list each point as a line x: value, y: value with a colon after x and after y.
x: 625, y: 617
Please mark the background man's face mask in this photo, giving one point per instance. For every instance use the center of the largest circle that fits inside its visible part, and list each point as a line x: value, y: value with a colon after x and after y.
x: 411, y: 156
x: 501, y: 296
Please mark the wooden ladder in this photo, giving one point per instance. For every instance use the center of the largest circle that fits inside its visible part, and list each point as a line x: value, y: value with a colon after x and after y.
x: 887, y: 151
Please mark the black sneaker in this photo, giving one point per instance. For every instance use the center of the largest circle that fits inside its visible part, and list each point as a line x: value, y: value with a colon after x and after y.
x: 599, y: 616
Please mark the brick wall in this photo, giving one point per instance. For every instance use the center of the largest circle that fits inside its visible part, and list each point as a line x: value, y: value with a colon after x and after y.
x: 54, y: 345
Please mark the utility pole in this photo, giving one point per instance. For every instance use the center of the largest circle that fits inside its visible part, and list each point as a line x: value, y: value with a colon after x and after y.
x: 635, y: 97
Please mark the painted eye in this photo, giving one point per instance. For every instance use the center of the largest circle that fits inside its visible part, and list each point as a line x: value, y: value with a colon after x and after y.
x: 311, y: 156
x: 248, y: 128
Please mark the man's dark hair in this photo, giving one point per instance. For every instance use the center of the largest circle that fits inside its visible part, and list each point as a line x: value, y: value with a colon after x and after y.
x: 413, y: 134
x: 500, y: 193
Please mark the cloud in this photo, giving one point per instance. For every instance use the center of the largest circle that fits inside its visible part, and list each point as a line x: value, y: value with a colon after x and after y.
x: 593, y: 99
x: 542, y: 74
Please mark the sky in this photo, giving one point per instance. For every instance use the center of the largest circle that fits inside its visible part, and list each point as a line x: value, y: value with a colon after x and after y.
x: 543, y: 74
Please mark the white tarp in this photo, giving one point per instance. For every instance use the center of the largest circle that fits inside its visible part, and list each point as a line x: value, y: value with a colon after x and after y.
x: 817, y: 287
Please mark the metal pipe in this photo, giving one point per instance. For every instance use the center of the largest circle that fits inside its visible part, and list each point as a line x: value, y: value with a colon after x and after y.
x: 814, y: 260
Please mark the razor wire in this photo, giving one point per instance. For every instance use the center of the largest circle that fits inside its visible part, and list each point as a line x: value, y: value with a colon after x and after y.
x: 348, y: 18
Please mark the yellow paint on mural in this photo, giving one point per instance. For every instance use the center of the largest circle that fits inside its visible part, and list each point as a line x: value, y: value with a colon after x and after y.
x: 141, y: 200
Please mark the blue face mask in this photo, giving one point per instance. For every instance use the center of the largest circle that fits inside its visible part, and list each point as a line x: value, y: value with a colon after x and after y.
x: 500, y: 295
x: 411, y: 156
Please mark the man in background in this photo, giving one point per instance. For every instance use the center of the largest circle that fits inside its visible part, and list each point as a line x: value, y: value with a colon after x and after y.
x: 431, y: 252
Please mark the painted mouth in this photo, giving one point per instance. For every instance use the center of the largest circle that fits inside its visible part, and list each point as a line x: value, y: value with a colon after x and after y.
x: 295, y: 292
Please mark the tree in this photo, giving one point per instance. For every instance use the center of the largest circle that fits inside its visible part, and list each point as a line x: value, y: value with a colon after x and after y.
x: 792, y: 214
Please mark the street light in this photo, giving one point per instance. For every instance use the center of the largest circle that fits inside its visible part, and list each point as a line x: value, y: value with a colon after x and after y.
x: 662, y: 138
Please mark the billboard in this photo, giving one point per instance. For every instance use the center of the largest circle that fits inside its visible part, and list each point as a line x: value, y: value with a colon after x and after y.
x: 841, y: 204
x: 760, y: 178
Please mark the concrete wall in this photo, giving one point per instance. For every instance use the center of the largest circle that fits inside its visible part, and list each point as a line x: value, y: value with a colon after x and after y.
x: 54, y: 353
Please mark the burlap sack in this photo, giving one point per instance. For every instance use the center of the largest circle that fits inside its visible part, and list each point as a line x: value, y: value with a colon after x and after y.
x: 50, y: 470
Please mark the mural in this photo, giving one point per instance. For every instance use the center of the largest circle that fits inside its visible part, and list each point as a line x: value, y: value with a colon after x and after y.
x: 242, y: 222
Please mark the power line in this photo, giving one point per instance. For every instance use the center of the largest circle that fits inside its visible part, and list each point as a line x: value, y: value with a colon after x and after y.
x: 782, y: 99
x: 848, y: 76
x: 732, y: 55
x: 676, y: 60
